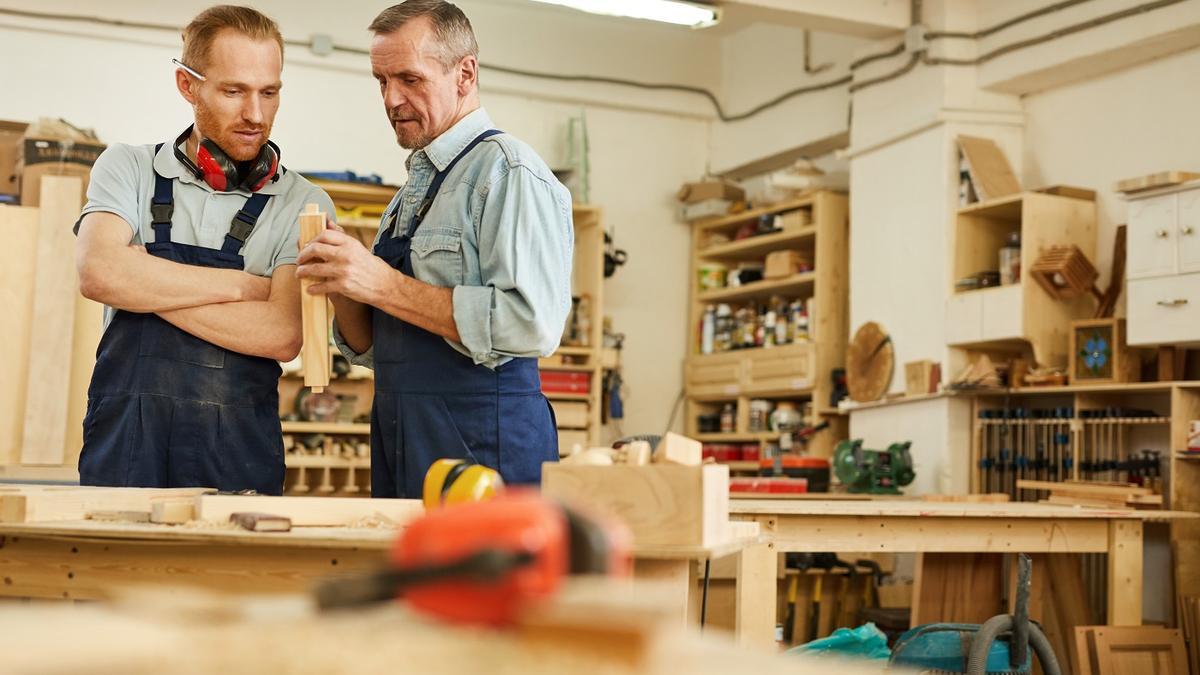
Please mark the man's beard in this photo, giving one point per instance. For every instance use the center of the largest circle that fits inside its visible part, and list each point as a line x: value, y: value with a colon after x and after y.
x: 410, y: 142
x: 238, y: 151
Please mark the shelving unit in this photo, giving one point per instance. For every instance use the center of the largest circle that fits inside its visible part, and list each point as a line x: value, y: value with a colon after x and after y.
x: 1176, y: 405
x: 1018, y: 316
x: 359, y: 208
x: 799, y: 372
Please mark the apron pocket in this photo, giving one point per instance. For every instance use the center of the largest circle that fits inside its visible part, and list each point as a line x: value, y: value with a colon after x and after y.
x: 527, y: 437
x: 251, y: 449
x: 471, y: 430
x: 162, y: 340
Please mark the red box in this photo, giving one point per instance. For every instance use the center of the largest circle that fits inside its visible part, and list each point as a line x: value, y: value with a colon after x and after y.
x: 768, y: 485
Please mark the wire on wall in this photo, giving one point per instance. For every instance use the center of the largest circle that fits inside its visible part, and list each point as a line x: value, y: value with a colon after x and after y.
x: 917, y: 56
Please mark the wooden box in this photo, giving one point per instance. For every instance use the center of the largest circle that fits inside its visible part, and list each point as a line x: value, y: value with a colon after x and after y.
x: 922, y: 377
x: 1099, y: 353
x: 782, y: 264
x: 663, y: 504
x: 570, y: 414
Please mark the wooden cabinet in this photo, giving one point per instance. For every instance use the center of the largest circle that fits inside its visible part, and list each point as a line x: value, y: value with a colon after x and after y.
x: 1163, y: 270
x: 816, y: 229
x: 1022, y: 314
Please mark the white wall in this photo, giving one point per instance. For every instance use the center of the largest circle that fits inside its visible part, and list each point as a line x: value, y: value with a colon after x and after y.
x: 642, y: 147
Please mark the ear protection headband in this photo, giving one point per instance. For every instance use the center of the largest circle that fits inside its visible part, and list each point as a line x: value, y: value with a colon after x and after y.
x: 221, y: 172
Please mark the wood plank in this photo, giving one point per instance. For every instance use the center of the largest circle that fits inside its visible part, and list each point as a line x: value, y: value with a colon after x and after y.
x: 79, y: 568
x: 1085, y: 650
x: 1146, y: 650
x: 944, y: 535
x: 314, y: 311
x: 1069, y: 599
x: 1085, y: 487
x: 1125, y: 573
x: 19, y: 228
x: 931, y: 510
x: 756, y: 581
x: 47, y: 392
x: 310, y: 511
x: 990, y: 171
x: 39, y: 504
x: 956, y: 588
x: 1155, y: 180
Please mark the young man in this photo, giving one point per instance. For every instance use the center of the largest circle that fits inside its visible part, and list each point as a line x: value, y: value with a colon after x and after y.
x: 470, y: 276
x: 191, y: 244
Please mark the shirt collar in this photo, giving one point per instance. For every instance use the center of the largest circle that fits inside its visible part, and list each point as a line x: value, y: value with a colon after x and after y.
x: 168, y: 166
x: 446, y: 147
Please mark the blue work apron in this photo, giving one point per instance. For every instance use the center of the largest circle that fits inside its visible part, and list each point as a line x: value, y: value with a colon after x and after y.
x: 168, y: 409
x: 432, y: 402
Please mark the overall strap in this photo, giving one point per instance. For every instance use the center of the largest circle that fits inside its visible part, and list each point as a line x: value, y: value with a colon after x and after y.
x: 162, y: 206
x: 243, y: 223
x: 440, y: 178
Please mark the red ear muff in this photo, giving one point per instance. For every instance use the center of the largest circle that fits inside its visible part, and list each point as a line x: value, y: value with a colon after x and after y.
x: 216, y: 168
x: 221, y: 173
x: 262, y: 169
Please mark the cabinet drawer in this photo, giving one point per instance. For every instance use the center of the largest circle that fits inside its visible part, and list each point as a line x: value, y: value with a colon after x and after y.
x: 964, y: 318
x: 780, y: 369
x: 570, y: 414
x: 719, y: 375
x: 1164, y: 310
x: 1188, y: 231
x: 1152, y: 237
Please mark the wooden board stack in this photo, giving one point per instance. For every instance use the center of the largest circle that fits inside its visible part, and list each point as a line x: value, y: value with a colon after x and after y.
x: 1108, y: 650
x: 1189, y: 620
x: 1089, y: 493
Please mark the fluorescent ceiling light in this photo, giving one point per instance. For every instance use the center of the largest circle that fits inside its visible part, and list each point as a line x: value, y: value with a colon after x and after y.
x: 667, y: 11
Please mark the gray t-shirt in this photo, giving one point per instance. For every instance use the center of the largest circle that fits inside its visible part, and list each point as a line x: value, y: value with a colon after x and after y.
x: 122, y: 183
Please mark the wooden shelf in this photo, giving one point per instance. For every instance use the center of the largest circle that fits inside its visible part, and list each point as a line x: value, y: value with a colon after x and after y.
x: 741, y: 466
x: 1188, y: 456
x: 576, y: 351
x: 296, y: 461
x: 735, y: 437
x: 713, y: 224
x: 356, y: 193
x: 760, y: 246
x: 896, y: 400
x: 761, y: 289
x: 360, y: 223
x: 750, y: 351
x: 566, y: 397
x: 1130, y: 387
x: 332, y: 428
x: 564, y: 367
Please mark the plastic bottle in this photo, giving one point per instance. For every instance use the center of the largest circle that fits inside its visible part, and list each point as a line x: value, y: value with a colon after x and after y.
x: 708, y: 330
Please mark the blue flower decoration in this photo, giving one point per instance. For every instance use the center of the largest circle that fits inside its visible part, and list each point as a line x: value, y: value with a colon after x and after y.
x: 1095, y: 353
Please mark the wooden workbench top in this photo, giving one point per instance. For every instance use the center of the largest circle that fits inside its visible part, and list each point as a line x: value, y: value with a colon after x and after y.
x: 910, y: 508
x: 305, y: 537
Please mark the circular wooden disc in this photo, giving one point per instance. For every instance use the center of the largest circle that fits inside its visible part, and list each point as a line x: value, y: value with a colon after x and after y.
x: 869, y: 363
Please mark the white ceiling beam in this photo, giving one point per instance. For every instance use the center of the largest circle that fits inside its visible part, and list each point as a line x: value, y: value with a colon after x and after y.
x: 863, y: 18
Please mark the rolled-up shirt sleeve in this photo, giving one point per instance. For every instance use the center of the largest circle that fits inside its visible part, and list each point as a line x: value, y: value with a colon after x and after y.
x: 525, y: 250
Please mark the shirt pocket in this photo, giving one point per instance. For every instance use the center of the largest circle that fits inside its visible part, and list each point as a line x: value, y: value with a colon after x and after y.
x: 438, y: 257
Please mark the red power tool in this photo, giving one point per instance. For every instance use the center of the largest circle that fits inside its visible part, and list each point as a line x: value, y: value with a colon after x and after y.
x: 484, y: 562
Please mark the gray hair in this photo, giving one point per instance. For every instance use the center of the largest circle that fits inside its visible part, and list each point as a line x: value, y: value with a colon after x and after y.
x: 451, y: 27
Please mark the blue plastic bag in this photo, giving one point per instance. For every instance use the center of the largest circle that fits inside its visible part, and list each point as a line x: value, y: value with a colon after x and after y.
x: 865, y: 642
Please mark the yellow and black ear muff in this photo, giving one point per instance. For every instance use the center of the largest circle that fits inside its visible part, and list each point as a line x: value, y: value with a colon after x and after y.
x: 457, y: 481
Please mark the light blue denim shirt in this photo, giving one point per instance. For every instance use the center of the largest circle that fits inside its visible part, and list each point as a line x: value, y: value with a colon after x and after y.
x: 499, y: 233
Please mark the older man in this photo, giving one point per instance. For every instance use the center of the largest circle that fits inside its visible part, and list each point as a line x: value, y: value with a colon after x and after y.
x: 469, y: 280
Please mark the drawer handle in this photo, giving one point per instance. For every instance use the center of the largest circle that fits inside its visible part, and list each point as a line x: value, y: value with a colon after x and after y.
x: 1177, y: 302
x: 1161, y: 234
x: 1186, y: 229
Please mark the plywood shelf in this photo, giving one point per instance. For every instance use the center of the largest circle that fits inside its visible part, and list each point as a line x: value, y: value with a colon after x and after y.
x: 333, y: 428
x: 798, y: 371
x: 347, y: 194
x: 735, y: 437
x: 758, y: 247
x: 566, y: 397
x: 730, y: 221
x: 758, y: 290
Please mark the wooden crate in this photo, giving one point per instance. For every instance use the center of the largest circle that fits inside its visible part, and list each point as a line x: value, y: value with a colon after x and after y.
x: 921, y: 377
x: 664, y: 505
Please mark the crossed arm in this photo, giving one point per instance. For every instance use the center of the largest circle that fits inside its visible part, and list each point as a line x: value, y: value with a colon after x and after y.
x: 229, y: 308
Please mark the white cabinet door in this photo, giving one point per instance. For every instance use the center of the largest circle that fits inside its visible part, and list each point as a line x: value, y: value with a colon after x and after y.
x: 964, y: 318
x: 1152, y: 237
x: 1188, y: 231
x: 1164, y: 311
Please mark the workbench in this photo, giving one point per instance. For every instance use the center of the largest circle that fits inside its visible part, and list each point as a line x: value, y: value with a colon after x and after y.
x: 88, y: 559
x: 190, y: 633
x: 904, y: 526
